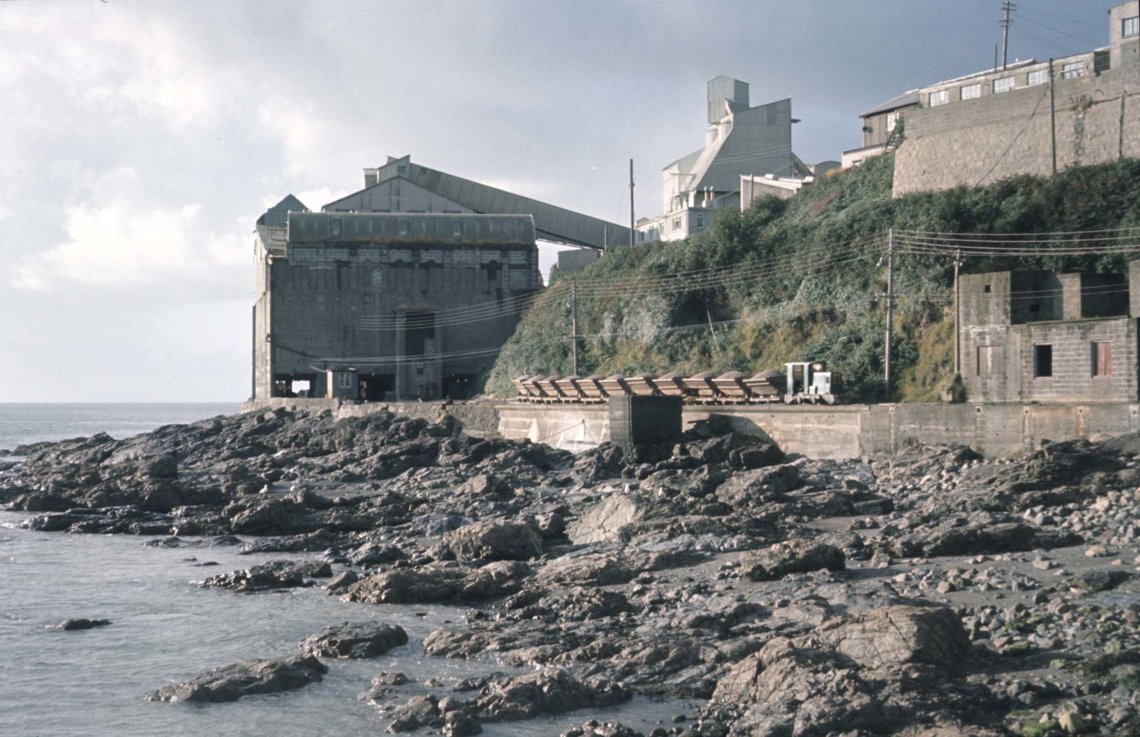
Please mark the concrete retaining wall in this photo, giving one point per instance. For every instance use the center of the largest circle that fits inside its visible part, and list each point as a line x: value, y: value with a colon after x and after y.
x: 842, y: 431
x: 851, y: 431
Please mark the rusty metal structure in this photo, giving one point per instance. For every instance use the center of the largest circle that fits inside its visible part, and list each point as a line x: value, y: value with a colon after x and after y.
x: 801, y: 382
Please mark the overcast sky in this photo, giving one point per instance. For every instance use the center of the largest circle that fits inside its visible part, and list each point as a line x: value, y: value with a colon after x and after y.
x: 141, y: 139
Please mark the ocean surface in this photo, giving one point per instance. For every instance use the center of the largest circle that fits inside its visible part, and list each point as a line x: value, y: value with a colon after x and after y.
x: 164, y: 628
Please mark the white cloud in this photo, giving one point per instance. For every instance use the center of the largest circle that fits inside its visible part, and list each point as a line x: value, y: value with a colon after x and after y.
x: 112, y: 245
x: 296, y: 127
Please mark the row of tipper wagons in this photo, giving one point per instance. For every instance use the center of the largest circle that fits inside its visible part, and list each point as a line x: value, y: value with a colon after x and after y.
x: 732, y: 387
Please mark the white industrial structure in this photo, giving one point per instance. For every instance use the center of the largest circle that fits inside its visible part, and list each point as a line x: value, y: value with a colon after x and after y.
x: 740, y: 141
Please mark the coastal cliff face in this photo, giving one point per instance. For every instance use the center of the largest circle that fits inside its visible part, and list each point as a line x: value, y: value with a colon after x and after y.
x: 931, y: 592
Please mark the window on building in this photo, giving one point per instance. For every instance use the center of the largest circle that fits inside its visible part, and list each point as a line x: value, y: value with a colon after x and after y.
x: 941, y: 97
x: 1005, y: 84
x: 344, y: 381
x: 892, y: 120
x: 971, y: 91
x: 1042, y: 361
x: 1102, y: 358
x: 676, y: 224
x: 1038, y: 76
x: 1072, y: 69
x: 700, y: 220
x: 1130, y: 27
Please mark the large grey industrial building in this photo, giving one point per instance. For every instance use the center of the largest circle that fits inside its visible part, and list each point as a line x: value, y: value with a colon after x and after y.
x: 405, y: 289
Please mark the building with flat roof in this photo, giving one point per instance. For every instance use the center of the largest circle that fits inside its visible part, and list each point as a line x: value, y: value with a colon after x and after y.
x: 1027, y: 117
x: 383, y: 306
x: 1047, y: 337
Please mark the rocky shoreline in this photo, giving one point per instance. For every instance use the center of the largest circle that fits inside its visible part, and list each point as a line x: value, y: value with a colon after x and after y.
x: 929, y: 593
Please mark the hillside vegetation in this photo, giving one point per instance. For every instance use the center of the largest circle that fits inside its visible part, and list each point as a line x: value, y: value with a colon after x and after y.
x: 803, y: 279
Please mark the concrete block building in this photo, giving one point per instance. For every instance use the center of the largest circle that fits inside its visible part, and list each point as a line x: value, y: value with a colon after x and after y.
x: 1045, y: 337
x: 405, y: 289
x: 1019, y: 118
x: 383, y: 306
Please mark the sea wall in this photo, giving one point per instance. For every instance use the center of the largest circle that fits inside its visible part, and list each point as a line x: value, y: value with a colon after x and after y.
x: 815, y: 431
x: 852, y: 431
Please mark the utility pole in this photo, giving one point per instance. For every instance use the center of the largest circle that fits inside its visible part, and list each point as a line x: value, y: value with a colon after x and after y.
x: 1052, y: 116
x: 890, y: 309
x: 1007, y: 7
x: 957, y: 315
x: 631, y: 230
x: 574, y: 327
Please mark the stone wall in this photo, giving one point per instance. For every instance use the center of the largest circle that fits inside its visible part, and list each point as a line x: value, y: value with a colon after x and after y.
x: 981, y: 141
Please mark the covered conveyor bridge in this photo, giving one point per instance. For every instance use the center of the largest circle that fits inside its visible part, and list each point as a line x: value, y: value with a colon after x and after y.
x: 443, y: 192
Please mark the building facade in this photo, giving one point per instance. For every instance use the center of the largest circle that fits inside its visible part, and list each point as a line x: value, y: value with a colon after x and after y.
x: 1028, y: 117
x: 740, y: 140
x: 383, y: 306
x: 1045, y: 337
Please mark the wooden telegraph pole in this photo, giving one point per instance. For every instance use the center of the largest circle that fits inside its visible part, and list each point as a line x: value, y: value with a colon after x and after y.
x: 890, y: 310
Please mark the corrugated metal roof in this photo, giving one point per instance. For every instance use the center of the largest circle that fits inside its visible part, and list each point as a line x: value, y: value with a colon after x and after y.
x: 910, y: 98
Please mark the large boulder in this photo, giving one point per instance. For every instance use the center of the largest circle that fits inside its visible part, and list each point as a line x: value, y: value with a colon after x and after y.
x: 533, y: 694
x: 247, y: 677
x: 605, y: 521
x: 494, y: 540
x: 790, y: 689
x: 793, y: 556
x: 897, y: 635
x: 355, y: 640
x: 439, y: 583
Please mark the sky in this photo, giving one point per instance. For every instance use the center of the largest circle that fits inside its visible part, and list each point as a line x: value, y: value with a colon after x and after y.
x: 141, y: 139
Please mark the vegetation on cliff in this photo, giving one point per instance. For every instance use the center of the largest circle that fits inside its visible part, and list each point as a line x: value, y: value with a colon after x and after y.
x: 803, y: 279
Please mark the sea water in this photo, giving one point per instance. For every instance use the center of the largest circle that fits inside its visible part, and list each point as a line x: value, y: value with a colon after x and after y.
x: 165, y: 628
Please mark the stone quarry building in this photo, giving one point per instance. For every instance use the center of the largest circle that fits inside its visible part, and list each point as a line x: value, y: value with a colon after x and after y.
x: 1050, y: 338
x: 1027, y: 117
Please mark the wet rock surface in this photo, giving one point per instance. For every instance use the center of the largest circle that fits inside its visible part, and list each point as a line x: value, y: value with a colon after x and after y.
x: 354, y: 640
x: 245, y: 678
x: 932, y: 592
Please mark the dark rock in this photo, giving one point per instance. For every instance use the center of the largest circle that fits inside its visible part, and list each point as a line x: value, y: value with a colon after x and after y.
x: 893, y: 636
x: 354, y: 640
x: 458, y: 723
x: 491, y: 540
x: 528, y: 696
x: 374, y: 554
x: 160, y: 467
x: 278, y: 574
x: 341, y: 580
x: 81, y: 624
x: 244, y: 678
x: 796, y: 556
x: 419, y: 711
x: 1102, y: 579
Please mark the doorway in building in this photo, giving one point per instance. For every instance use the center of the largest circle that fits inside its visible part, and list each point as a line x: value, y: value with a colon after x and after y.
x: 458, y: 386
x: 377, y: 387
x: 419, y: 327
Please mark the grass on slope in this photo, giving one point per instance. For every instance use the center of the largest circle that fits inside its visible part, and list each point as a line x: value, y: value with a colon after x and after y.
x: 801, y: 279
